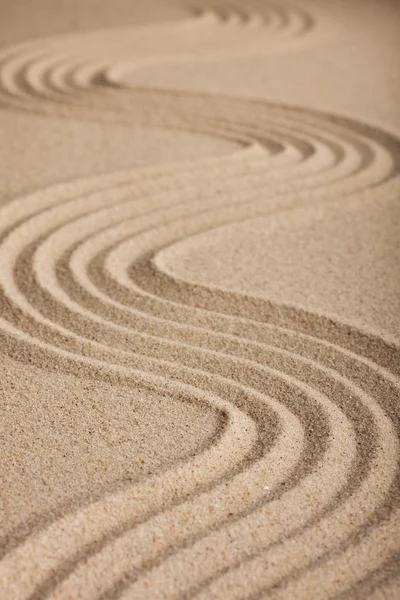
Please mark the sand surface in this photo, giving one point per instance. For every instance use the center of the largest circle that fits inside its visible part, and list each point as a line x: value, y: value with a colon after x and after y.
x: 199, y: 300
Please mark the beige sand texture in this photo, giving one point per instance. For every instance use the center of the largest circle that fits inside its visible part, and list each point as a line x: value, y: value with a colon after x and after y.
x: 200, y: 300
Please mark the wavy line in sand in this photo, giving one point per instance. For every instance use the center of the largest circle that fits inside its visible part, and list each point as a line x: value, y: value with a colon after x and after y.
x: 35, y: 281
x: 85, y: 76
x: 305, y: 397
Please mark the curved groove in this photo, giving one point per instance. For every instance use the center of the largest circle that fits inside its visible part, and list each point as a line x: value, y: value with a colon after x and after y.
x: 307, y: 405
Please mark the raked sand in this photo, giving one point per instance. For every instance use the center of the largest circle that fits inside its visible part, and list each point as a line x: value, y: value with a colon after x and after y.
x: 200, y: 300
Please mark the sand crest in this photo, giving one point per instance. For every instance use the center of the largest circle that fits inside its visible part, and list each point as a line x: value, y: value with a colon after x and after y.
x: 200, y: 320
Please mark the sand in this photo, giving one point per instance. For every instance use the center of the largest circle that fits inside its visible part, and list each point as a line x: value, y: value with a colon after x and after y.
x: 200, y: 315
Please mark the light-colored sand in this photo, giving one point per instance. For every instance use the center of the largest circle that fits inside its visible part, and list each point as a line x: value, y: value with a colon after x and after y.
x: 200, y: 318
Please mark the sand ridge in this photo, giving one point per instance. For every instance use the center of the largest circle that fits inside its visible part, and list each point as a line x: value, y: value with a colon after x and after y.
x: 288, y: 484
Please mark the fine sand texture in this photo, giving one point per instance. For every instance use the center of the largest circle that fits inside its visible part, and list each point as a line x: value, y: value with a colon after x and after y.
x: 200, y: 300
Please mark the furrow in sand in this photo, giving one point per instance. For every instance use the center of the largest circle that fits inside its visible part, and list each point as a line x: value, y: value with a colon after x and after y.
x: 201, y: 512
x: 196, y: 359
x: 10, y: 286
x: 216, y: 35
x: 270, y: 567
x: 343, y: 576
x: 302, y: 470
x: 47, y: 548
x: 58, y: 215
x: 358, y: 499
x: 388, y: 458
x: 297, y: 488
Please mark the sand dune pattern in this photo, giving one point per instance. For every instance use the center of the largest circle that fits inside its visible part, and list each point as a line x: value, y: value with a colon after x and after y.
x: 297, y: 494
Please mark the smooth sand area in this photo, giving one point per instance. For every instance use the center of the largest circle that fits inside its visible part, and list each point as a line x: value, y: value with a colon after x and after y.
x: 199, y: 300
